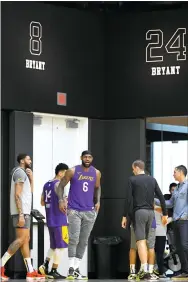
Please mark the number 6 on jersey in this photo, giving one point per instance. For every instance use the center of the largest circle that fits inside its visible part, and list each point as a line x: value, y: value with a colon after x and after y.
x: 85, y: 186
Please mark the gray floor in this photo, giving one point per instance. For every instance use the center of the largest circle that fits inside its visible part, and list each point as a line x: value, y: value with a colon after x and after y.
x: 97, y: 280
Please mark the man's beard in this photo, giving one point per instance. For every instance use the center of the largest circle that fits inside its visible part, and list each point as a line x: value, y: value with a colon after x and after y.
x: 85, y: 164
x: 27, y: 166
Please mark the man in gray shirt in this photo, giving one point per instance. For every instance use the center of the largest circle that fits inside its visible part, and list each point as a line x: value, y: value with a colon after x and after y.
x: 179, y: 203
x: 20, y: 209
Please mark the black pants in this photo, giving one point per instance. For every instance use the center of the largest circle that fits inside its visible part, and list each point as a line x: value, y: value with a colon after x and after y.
x: 181, y: 239
x: 159, y: 250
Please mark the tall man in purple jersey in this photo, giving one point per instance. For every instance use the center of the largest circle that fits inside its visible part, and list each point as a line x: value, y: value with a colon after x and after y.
x: 83, y: 206
x: 56, y: 222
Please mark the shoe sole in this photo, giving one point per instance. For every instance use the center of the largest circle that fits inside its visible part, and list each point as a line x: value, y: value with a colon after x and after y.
x: 70, y: 278
x: 4, y: 279
x: 35, y: 278
x: 49, y: 277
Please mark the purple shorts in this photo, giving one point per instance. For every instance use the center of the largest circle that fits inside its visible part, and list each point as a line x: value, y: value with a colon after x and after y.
x: 59, y: 237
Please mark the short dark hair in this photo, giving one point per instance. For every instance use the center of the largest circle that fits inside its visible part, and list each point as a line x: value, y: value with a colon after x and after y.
x: 21, y: 157
x: 86, y: 152
x: 140, y: 164
x: 182, y: 168
x: 60, y: 167
x: 173, y: 184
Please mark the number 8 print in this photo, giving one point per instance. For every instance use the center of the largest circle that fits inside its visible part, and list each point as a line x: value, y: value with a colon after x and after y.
x: 35, y: 43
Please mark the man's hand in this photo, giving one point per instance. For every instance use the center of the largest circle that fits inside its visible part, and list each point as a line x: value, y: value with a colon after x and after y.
x: 164, y: 219
x: 63, y: 205
x: 29, y: 173
x: 124, y: 222
x: 21, y: 221
x: 97, y: 207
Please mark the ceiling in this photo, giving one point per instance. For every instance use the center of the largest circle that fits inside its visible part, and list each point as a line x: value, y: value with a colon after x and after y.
x: 180, y: 121
x: 110, y: 6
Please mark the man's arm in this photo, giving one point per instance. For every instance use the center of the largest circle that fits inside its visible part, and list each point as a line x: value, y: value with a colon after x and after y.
x: 30, y: 176
x: 60, y: 189
x: 18, y: 192
x: 19, y: 178
x: 97, y: 192
x: 42, y: 202
x: 161, y: 198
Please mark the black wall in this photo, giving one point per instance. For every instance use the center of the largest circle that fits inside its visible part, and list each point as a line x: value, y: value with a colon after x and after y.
x: 5, y: 184
x: 73, y: 52
x: 115, y: 145
x: 131, y: 90
x: 98, y: 59
x: 17, y: 137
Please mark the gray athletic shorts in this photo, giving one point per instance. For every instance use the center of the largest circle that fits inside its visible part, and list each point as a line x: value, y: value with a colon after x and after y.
x: 150, y: 239
x: 142, y: 224
x: 15, y: 219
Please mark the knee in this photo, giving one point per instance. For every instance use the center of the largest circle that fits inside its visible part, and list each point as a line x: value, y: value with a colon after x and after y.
x: 83, y: 243
x: 21, y: 240
x: 73, y: 240
x: 27, y: 239
x: 24, y: 239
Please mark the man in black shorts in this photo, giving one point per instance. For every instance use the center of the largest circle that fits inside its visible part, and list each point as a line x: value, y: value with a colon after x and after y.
x: 140, y: 195
x: 20, y: 208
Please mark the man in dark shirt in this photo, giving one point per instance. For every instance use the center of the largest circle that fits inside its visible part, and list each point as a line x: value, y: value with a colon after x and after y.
x: 139, y: 205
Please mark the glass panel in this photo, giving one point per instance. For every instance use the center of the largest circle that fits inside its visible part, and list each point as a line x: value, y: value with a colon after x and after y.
x: 167, y: 147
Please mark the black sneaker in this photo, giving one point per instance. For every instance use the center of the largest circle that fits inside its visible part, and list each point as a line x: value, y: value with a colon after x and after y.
x: 141, y: 275
x: 153, y: 276
x: 132, y: 276
x: 79, y: 276
x: 70, y: 275
x: 55, y: 275
x: 156, y: 272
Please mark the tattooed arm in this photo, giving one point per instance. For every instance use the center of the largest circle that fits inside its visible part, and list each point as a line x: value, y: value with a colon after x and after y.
x: 19, y: 178
x: 97, y: 192
x: 60, y: 189
x: 18, y: 192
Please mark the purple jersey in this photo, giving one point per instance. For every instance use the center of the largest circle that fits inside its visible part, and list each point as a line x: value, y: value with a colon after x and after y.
x: 54, y: 217
x: 82, y: 187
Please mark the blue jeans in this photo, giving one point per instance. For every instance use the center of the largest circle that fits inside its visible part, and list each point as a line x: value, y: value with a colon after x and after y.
x: 181, y: 240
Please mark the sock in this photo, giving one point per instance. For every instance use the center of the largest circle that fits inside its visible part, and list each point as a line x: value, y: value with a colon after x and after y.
x: 77, y: 262
x: 132, y: 269
x: 71, y: 262
x: 28, y: 264
x: 151, y: 268
x: 5, y: 258
x: 144, y: 267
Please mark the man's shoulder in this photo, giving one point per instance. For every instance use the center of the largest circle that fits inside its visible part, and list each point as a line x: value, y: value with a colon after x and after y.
x: 19, y: 172
x: 140, y: 177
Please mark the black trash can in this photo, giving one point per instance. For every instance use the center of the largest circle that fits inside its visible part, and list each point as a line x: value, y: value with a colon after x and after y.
x: 105, y: 254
